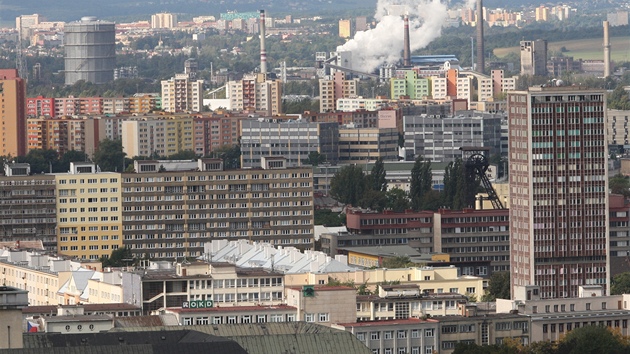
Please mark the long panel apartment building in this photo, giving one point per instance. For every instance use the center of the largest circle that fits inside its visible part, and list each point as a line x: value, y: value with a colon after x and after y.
x: 171, y: 214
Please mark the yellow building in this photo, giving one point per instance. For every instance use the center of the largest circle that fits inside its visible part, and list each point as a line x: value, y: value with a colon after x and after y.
x: 89, y: 212
x: 345, y: 28
x: 429, y: 279
x: 158, y: 135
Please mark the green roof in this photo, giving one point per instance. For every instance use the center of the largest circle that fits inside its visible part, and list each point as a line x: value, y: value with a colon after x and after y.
x: 277, y: 337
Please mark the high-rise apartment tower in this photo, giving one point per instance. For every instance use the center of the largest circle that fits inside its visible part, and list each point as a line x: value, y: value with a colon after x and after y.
x: 558, y: 190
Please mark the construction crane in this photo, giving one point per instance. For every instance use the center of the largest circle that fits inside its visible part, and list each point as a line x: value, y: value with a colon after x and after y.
x: 476, y: 166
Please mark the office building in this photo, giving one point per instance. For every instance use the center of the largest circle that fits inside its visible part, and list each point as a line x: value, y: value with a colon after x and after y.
x: 558, y: 190
x: 13, y: 115
x: 438, y: 138
x: 330, y: 90
x: 181, y: 94
x: 89, y: 212
x: 293, y: 140
x: 367, y: 144
x: 534, y: 57
x: 90, y: 51
x: 256, y: 93
x: 163, y: 20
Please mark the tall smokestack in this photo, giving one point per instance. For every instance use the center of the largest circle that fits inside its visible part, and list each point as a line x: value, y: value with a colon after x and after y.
x: 263, y: 51
x: 606, y: 50
x: 407, y: 49
x: 480, y: 52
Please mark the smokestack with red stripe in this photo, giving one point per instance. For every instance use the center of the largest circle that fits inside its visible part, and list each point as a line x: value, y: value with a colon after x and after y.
x: 263, y: 51
x: 407, y: 49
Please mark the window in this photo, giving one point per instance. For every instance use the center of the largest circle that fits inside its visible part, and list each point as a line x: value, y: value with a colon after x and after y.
x: 428, y: 349
x: 470, y: 290
x: 388, y: 334
x: 415, y: 333
x: 324, y: 317
x: 588, y: 306
x: 375, y: 335
x: 309, y: 317
x: 361, y: 336
x: 429, y: 332
x: 401, y: 334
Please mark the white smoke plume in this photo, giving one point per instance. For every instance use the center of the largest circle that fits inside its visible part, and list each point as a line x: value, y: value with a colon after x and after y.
x: 384, y: 43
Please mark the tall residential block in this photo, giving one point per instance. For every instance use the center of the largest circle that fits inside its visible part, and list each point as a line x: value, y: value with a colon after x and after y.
x: 332, y: 90
x: 13, y: 115
x: 27, y: 206
x: 65, y: 134
x: 534, y: 57
x: 256, y: 93
x: 163, y: 20
x: 345, y: 28
x: 410, y: 85
x: 171, y: 214
x: 90, y: 51
x: 89, y: 211
x: 181, y: 94
x: 161, y: 136
x: 558, y: 190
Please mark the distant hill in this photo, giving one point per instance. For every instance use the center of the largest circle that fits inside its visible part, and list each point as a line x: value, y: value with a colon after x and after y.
x: 70, y: 10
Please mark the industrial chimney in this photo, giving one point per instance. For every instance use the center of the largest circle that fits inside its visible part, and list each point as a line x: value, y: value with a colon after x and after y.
x: 263, y: 51
x: 407, y: 49
x: 606, y: 50
x: 480, y: 52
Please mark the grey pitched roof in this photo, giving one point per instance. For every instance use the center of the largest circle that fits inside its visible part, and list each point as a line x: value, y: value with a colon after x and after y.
x: 280, y: 337
x: 150, y: 342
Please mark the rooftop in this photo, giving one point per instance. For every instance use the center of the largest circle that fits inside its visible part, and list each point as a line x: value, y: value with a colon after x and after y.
x: 399, y: 322
x: 233, y: 309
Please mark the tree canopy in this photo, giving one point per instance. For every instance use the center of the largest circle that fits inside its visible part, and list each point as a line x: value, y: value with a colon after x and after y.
x: 421, y: 183
x: 620, y: 284
x: 119, y: 258
x: 46, y: 161
x: 620, y: 184
x: 109, y: 156
x: 314, y: 158
x: 378, y: 176
x: 498, y: 287
x: 348, y: 185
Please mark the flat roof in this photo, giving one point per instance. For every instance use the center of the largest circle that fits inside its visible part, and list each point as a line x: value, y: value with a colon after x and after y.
x: 229, y: 308
x: 407, y: 321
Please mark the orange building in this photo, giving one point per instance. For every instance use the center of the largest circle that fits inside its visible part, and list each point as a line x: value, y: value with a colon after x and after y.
x: 13, y: 115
